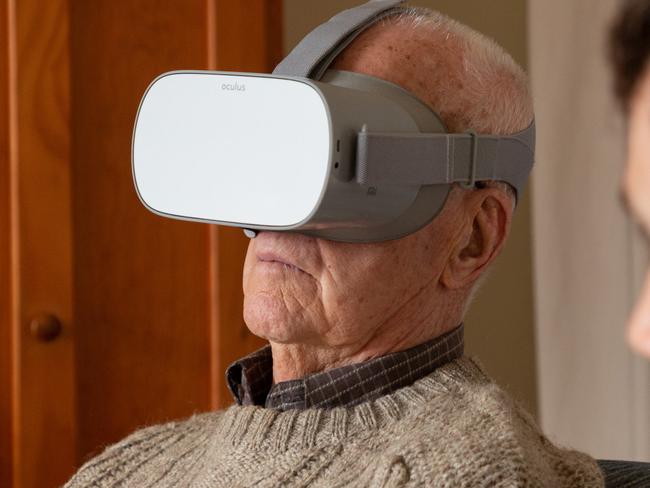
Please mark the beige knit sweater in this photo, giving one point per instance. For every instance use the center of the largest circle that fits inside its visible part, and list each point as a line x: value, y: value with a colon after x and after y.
x: 453, y: 428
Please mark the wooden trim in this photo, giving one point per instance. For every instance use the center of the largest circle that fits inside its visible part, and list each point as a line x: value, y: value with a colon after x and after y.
x: 248, y: 35
x: 217, y: 385
x: 211, y: 34
x: 6, y: 458
x: 44, y: 384
x: 274, y: 34
x: 242, y: 36
x: 14, y: 352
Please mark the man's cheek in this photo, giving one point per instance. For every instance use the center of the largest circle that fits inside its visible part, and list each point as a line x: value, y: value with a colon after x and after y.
x: 367, y: 297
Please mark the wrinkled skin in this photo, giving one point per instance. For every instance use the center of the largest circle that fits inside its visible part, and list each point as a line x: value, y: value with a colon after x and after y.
x: 636, y: 187
x: 323, y: 304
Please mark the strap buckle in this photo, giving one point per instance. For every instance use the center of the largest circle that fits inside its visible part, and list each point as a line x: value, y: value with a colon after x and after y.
x: 472, y: 176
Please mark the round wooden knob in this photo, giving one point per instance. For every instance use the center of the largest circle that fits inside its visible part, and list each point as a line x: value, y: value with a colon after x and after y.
x: 45, y: 327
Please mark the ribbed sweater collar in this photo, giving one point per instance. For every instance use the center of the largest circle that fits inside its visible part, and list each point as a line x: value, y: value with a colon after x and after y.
x: 260, y: 428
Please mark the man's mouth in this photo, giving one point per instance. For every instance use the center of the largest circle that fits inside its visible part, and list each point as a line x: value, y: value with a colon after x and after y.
x: 273, y: 258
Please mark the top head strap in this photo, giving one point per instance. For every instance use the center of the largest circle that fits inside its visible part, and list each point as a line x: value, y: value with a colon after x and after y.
x: 313, y: 55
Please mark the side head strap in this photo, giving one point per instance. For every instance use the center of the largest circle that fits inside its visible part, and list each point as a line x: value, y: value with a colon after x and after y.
x: 432, y: 159
x: 313, y: 55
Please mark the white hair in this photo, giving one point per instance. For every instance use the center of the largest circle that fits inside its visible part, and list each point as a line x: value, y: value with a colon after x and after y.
x: 487, y: 91
x: 494, y: 96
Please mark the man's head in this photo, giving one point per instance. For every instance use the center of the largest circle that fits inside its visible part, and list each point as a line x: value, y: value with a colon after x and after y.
x: 630, y: 52
x: 362, y: 300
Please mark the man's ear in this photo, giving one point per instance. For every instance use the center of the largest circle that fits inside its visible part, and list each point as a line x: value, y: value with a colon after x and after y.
x: 488, y: 215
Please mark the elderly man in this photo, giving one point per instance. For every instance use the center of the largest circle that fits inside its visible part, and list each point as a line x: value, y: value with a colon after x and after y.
x: 364, y: 382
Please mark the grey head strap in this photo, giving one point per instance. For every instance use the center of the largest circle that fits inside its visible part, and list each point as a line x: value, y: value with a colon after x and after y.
x: 313, y: 55
x: 432, y: 159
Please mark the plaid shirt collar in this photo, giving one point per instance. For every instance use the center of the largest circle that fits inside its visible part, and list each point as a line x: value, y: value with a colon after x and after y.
x: 250, y: 379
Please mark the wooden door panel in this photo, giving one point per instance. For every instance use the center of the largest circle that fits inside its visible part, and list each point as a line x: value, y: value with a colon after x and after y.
x: 43, y: 389
x: 141, y: 296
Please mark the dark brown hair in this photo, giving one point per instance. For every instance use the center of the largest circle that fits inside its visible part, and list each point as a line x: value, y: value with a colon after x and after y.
x: 630, y: 47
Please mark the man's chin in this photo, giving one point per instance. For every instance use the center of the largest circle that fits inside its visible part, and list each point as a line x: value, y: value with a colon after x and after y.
x: 267, y: 317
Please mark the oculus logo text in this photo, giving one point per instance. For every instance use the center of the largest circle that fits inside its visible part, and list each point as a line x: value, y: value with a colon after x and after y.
x: 233, y: 87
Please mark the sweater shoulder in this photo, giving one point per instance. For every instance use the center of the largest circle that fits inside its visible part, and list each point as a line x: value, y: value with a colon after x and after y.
x: 125, y: 463
x: 481, y: 425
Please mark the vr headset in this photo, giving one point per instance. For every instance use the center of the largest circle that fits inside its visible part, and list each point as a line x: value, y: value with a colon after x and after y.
x: 332, y: 154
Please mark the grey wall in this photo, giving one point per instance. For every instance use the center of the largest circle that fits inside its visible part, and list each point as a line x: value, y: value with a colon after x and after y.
x: 500, y: 322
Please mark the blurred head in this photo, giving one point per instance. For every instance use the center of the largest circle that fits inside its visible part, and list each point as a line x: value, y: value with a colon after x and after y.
x: 630, y: 51
x: 306, y: 290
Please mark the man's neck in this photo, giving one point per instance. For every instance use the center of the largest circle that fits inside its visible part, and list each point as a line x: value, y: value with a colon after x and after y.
x: 294, y: 361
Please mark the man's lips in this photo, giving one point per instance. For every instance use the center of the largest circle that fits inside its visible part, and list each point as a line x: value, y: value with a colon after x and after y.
x: 272, y: 257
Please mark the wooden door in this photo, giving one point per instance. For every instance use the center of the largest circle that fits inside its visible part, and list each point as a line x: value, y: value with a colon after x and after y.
x: 111, y: 317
